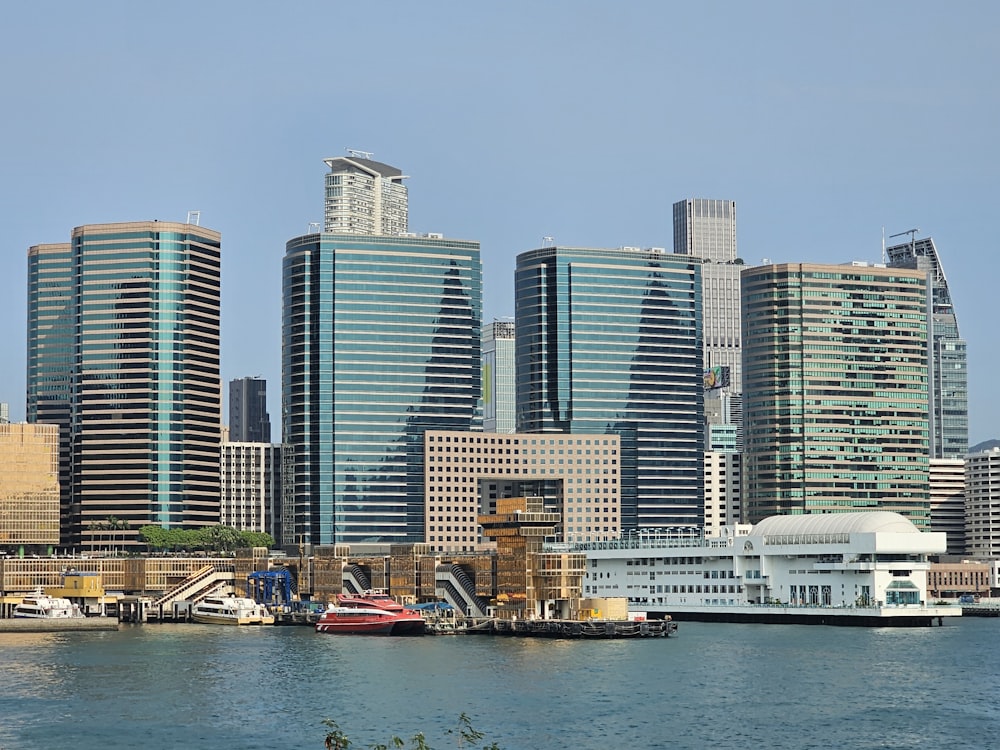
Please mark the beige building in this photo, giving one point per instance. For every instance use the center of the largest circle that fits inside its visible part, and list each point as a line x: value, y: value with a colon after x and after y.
x: 465, y: 473
x: 29, y: 485
x: 723, y: 495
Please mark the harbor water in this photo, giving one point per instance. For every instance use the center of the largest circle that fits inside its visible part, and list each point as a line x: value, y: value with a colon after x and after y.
x: 711, y: 686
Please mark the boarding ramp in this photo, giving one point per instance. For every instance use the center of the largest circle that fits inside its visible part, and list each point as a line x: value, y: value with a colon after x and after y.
x: 202, y: 583
x: 355, y: 581
x: 457, y: 588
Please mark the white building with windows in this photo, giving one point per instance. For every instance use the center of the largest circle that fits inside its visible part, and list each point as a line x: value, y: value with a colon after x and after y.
x: 251, y: 486
x: 982, y: 504
x: 863, y: 568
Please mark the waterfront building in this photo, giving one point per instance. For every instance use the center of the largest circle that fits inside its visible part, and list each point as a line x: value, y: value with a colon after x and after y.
x: 609, y: 341
x: 498, y: 377
x: 29, y: 487
x: 835, y: 401
x: 380, y: 343
x: 723, y: 490
x: 364, y: 196
x: 249, y: 421
x: 949, y: 372
x: 123, y: 353
x: 957, y: 579
x: 947, y: 493
x: 250, y: 477
x: 982, y: 504
x: 865, y: 566
x: 468, y: 474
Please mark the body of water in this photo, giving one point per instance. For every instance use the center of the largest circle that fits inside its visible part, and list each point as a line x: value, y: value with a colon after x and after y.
x: 712, y: 686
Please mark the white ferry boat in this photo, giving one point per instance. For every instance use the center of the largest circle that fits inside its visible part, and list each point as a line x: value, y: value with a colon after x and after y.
x: 231, y: 610
x: 863, y: 568
x: 42, y: 607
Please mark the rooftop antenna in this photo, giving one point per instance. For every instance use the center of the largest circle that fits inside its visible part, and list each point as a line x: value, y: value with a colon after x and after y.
x: 913, y: 242
x: 194, y: 217
x: 359, y: 154
x: 546, y: 240
x: 309, y: 229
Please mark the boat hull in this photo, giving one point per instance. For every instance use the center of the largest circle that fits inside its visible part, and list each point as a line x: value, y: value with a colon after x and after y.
x: 358, y: 621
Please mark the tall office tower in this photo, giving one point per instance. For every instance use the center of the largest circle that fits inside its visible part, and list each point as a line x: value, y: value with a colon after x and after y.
x: 609, y: 341
x: 380, y: 342
x: 498, y: 377
x: 723, y: 490
x: 982, y: 504
x: 29, y: 487
x: 249, y: 421
x: 835, y: 400
x: 949, y: 361
x: 706, y: 229
x: 133, y: 323
x: 364, y: 196
x: 250, y: 475
x: 947, y: 487
x: 51, y: 337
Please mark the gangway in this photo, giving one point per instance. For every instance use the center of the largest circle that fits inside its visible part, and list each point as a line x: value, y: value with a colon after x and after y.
x: 355, y: 581
x: 455, y: 586
x: 202, y: 583
x: 271, y: 587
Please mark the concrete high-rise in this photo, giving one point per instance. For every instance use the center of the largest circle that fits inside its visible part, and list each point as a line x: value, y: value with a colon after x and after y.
x: 609, y: 341
x: 949, y: 390
x: 380, y: 343
x: 364, y: 196
x: 123, y: 353
x: 498, y: 377
x: 249, y: 421
x: 982, y: 504
x: 250, y: 475
x: 836, y: 380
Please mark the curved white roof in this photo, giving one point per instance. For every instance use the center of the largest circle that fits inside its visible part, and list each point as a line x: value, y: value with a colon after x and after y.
x: 865, y: 522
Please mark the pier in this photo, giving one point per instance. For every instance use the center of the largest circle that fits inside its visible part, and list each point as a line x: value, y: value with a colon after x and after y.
x: 576, y: 628
x: 57, y: 625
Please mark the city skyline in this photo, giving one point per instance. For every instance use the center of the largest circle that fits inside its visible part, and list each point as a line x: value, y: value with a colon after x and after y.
x: 821, y: 152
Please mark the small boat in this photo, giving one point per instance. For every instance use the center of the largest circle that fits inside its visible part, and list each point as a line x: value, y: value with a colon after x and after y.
x: 43, y: 607
x: 231, y: 610
x: 374, y: 613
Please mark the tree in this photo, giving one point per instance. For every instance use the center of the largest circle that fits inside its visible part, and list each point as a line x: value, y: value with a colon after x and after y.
x: 469, y: 737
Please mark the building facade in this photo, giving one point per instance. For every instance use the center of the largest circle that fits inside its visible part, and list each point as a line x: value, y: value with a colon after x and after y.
x: 706, y: 229
x: 947, y: 489
x: 982, y: 504
x: 140, y: 303
x: 380, y: 343
x: 249, y: 421
x: 723, y: 490
x: 364, y: 196
x: 51, y: 343
x: 250, y: 477
x: 498, y: 377
x: 576, y: 475
x: 609, y: 341
x: 836, y: 381
x: 949, y: 390
x: 29, y: 487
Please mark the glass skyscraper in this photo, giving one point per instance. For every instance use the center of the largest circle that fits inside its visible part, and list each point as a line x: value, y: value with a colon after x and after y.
x: 609, y: 341
x: 380, y: 342
x: 835, y: 400
x: 949, y: 359
x: 498, y: 377
x: 123, y: 353
x: 249, y: 421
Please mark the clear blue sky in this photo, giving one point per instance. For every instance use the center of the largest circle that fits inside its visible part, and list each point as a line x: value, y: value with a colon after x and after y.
x: 582, y: 121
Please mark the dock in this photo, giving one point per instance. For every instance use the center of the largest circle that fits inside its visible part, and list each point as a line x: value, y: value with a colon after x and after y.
x: 57, y: 625
x: 576, y: 628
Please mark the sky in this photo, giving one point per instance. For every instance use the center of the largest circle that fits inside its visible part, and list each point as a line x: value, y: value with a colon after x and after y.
x: 829, y: 124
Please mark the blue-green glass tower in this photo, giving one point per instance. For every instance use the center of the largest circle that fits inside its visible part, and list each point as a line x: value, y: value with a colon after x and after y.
x: 380, y: 342
x: 123, y: 353
x: 610, y: 341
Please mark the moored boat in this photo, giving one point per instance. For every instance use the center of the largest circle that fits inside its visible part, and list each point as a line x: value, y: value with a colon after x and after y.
x: 371, y: 613
x: 231, y: 610
x: 42, y: 607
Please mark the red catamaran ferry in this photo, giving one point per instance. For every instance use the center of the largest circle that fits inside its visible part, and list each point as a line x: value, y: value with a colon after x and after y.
x: 372, y: 613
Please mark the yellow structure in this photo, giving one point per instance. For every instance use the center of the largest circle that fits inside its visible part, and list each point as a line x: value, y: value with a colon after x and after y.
x: 29, y: 485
